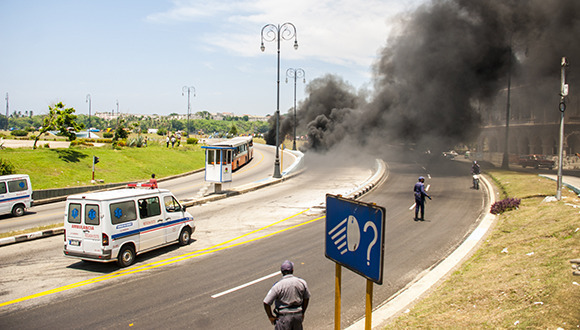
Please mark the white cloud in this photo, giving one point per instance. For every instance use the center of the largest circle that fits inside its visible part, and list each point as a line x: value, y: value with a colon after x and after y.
x: 343, y: 32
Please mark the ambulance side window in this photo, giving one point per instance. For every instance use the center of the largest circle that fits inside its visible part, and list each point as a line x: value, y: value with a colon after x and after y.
x: 171, y: 205
x: 74, y: 213
x: 123, y: 212
x: 17, y: 185
x: 149, y: 207
x: 2, y: 187
x: 92, y: 214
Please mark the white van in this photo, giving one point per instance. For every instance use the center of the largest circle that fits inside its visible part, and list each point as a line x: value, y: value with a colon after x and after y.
x: 120, y: 224
x: 15, y: 194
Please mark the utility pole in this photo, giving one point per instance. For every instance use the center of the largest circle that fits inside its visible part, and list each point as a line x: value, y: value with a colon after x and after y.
x: 7, y: 108
x: 506, y: 158
x: 562, y: 108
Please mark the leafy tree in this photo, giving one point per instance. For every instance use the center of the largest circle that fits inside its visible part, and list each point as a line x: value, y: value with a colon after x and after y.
x: 233, y: 130
x: 120, y: 132
x: 177, y: 125
x: 204, y: 114
x: 6, y: 167
x: 3, y: 121
x: 61, y: 119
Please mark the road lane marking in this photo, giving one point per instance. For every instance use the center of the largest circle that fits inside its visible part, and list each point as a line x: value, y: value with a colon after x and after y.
x: 244, y: 169
x: 168, y: 261
x: 239, y: 287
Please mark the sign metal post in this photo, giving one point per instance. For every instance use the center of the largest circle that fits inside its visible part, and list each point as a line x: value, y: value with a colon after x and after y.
x: 355, y: 239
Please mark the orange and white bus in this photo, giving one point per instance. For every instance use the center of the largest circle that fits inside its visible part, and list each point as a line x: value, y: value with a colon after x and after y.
x: 242, y: 147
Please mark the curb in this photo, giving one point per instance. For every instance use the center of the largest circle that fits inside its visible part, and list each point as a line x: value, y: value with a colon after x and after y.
x: 111, y: 186
x: 430, y: 278
x: 295, y: 169
x: 31, y: 236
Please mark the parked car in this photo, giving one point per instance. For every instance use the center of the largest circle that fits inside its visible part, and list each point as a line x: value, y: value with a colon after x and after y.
x: 450, y: 154
x: 536, y: 161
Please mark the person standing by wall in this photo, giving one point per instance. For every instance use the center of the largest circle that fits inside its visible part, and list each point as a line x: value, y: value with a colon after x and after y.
x: 420, y: 194
x: 290, y: 296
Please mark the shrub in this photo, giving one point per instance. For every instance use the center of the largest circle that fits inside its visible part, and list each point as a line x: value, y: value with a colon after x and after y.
x: 504, y: 205
x: 138, y: 142
x: 107, y: 135
x: 19, y: 132
x: 191, y: 140
x: 6, y: 167
x: 161, y: 131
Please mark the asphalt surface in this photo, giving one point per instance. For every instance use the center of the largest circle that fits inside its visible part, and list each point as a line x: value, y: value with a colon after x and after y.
x: 237, y: 241
x: 247, y: 237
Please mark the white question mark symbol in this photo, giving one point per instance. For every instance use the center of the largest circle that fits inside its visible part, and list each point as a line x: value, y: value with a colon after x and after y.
x: 372, y: 225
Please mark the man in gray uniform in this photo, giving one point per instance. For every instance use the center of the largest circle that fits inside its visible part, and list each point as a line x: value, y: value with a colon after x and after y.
x: 291, y: 297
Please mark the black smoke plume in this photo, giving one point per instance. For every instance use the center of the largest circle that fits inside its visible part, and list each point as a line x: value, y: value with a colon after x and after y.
x: 444, y: 72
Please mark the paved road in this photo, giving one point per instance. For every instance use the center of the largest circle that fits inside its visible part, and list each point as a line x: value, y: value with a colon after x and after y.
x: 184, y: 188
x: 177, y: 292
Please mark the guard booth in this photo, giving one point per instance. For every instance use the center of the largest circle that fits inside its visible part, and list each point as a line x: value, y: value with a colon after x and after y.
x: 218, y: 165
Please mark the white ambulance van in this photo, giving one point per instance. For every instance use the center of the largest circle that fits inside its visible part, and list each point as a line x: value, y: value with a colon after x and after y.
x: 120, y: 224
x: 15, y: 194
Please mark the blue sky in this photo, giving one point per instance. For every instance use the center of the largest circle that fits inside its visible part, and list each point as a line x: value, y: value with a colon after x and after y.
x: 142, y: 53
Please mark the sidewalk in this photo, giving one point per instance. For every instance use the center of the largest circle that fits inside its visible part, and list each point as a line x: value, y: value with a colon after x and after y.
x: 571, y: 182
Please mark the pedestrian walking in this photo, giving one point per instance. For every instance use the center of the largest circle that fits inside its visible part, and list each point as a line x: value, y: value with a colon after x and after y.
x: 420, y: 194
x: 290, y: 296
x: 172, y: 141
x: 167, y: 140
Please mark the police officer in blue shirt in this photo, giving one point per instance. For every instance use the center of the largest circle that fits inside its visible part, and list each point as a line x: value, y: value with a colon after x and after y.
x: 420, y: 194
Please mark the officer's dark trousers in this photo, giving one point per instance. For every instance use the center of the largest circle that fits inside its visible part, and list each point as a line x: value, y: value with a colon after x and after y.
x: 420, y: 204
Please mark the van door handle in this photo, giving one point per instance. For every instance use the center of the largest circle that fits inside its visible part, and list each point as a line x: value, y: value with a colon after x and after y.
x: 167, y: 219
x: 160, y: 220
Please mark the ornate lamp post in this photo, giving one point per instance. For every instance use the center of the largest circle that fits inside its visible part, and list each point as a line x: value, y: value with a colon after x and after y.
x: 271, y: 32
x: 89, y: 102
x: 295, y: 73
x: 188, y: 89
x: 7, y: 110
x: 117, y: 101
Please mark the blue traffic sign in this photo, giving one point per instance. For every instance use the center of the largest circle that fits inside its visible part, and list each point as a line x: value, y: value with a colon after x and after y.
x: 355, y: 236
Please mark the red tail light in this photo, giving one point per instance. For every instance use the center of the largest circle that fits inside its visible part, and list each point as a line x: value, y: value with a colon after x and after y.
x: 105, y: 240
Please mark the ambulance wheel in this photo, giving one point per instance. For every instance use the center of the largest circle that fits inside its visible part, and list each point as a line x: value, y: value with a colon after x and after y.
x: 126, y: 256
x: 18, y: 210
x: 184, y: 236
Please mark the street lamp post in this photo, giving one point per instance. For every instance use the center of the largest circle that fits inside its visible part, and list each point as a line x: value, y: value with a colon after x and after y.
x: 117, y: 113
x: 7, y: 110
x: 89, y: 102
x: 188, y: 89
x: 271, y: 32
x: 295, y: 73
x: 562, y: 108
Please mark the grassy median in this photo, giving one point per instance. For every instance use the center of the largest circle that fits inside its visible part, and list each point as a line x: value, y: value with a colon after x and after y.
x: 521, y: 276
x: 69, y: 167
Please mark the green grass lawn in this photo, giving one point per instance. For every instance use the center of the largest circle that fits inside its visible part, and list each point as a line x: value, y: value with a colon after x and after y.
x: 521, y: 276
x: 69, y: 167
